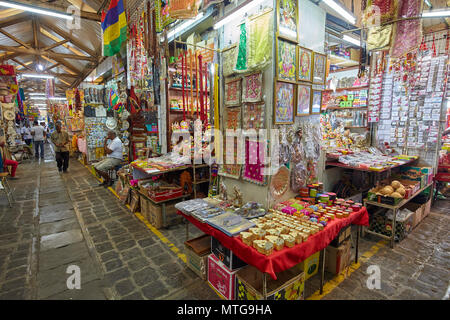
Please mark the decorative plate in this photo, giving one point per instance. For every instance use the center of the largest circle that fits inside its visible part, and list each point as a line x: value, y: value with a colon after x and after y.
x: 125, y: 125
x: 126, y: 142
x: 111, y: 123
x: 9, y: 115
x: 125, y: 114
x: 126, y: 134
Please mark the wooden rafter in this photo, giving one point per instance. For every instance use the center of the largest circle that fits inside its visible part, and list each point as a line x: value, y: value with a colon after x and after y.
x: 48, y: 53
x: 22, y: 64
x: 51, y: 67
x: 69, y: 37
x: 18, y: 18
x: 15, y: 39
x: 56, y: 44
x: 65, y: 45
x: 66, y: 65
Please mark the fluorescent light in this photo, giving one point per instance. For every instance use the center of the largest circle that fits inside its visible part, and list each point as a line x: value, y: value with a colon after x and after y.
x: 40, y: 104
x: 247, y: 7
x: 19, y: 6
x: 428, y: 3
x: 36, y: 94
x: 42, y: 76
x: 341, y: 11
x: 436, y: 14
x: 40, y: 67
x: 57, y: 98
x: 352, y: 40
x: 185, y: 25
x: 38, y: 98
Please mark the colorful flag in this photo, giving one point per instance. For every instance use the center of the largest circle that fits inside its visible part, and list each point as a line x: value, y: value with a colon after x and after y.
x: 114, y: 27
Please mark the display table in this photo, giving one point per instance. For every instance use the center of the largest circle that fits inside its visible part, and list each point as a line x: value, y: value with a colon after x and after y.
x: 288, y: 257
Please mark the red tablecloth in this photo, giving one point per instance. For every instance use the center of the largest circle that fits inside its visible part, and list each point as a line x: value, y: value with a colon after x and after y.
x: 288, y: 257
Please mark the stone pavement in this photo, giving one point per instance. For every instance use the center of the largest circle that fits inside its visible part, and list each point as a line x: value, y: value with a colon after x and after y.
x: 61, y: 220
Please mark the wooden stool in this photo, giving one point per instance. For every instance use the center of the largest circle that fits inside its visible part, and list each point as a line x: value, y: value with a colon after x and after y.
x: 6, y: 188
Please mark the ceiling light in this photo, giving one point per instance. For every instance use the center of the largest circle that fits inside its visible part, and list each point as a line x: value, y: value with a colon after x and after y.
x: 436, y: 14
x: 20, y: 6
x: 428, y: 3
x: 239, y: 12
x: 40, y: 67
x: 38, y: 98
x: 341, y: 11
x: 36, y: 94
x: 185, y: 25
x: 42, y: 76
x: 352, y: 40
x: 57, y: 98
x: 40, y: 104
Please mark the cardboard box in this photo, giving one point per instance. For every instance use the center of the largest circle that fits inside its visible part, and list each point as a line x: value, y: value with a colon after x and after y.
x: 337, y: 259
x: 310, y: 266
x: 417, y: 210
x: 426, y: 209
x: 343, y: 235
x: 153, y: 213
x: 197, y: 252
x: 220, y: 278
x: 225, y: 255
x: 135, y: 201
x: 290, y: 284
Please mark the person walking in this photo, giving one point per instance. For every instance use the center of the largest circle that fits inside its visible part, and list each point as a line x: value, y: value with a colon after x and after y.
x: 38, y: 133
x: 114, y: 156
x: 26, y: 133
x: 61, y: 140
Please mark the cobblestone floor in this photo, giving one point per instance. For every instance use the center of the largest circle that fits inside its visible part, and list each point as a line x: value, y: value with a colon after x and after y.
x: 66, y: 219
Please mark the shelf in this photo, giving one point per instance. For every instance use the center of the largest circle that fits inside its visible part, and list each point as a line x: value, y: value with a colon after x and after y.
x: 400, y: 204
x: 201, y: 181
x: 346, y: 108
x: 163, y: 201
x: 341, y: 165
x: 356, y: 128
x: 349, y: 89
x: 342, y: 62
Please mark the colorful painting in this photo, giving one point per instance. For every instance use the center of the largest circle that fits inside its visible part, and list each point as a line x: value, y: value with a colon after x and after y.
x: 305, y: 64
x: 287, y: 18
x: 303, y: 99
x: 287, y: 60
x: 316, y: 102
x: 284, y: 103
x: 320, y: 68
x: 233, y: 92
x: 254, y: 116
x: 254, y: 162
x: 252, y: 88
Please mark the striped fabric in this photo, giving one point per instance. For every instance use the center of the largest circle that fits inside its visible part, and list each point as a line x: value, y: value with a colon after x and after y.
x: 114, y: 27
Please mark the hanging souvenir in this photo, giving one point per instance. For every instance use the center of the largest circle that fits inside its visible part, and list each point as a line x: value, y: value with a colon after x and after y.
x: 229, y: 60
x: 285, y: 148
x: 252, y: 87
x: 279, y: 183
x: 299, y: 177
x: 233, y: 118
x: 254, y: 116
x: 241, y: 63
x: 260, y: 40
x: 233, y: 92
x: 253, y: 170
x: 286, y: 60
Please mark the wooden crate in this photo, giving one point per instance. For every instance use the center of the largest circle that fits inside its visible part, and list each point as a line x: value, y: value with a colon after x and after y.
x: 153, y: 213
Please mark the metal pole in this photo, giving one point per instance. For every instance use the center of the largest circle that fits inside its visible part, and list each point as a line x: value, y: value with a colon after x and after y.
x: 358, y: 230
x: 322, y: 274
x: 265, y: 285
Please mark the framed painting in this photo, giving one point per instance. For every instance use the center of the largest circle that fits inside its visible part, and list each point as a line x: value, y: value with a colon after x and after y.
x: 288, y: 19
x: 286, y: 60
x: 316, y: 101
x: 319, y: 68
x: 233, y: 92
x: 305, y: 62
x: 303, y: 100
x: 252, y: 87
x: 284, y: 103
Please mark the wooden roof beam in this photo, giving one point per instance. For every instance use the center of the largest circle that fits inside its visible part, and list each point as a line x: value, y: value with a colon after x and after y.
x: 57, y: 44
x: 66, y: 65
x: 15, y: 39
x: 48, y: 53
x: 18, y: 18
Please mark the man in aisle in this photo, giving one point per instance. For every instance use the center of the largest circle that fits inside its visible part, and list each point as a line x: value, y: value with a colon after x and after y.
x: 61, y: 140
x: 114, y: 156
x: 26, y: 133
x: 38, y: 133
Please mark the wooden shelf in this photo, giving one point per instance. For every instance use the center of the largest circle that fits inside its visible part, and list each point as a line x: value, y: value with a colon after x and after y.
x: 346, y: 108
x: 400, y: 204
x: 342, y: 62
x: 201, y: 181
x: 349, y: 89
x: 356, y: 127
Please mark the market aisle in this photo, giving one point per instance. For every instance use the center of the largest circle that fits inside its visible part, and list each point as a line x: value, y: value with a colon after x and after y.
x: 66, y: 219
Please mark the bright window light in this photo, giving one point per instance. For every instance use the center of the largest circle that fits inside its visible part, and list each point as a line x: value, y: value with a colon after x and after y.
x: 42, y: 76
x: 436, y: 14
x: 237, y: 13
x: 20, y: 6
x: 341, y: 11
x: 184, y: 26
x: 352, y: 40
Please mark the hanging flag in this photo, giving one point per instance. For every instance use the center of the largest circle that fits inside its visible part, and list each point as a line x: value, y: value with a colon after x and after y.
x: 114, y: 28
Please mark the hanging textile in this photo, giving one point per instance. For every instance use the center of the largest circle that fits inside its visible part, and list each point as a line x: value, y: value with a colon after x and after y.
x: 379, y: 38
x: 229, y: 60
x: 260, y: 40
x: 379, y: 12
x: 407, y: 33
x: 163, y: 17
x: 183, y: 9
x: 241, y: 64
x: 114, y: 28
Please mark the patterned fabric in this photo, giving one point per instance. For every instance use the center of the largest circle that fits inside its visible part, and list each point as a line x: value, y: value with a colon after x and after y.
x: 252, y: 88
x: 260, y: 40
x: 229, y: 61
x: 408, y: 33
x: 241, y: 64
x: 254, y: 162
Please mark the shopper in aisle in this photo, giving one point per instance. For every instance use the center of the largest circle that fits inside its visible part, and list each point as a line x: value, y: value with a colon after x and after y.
x: 47, y: 132
x: 114, y: 156
x: 6, y: 160
x: 38, y: 133
x: 61, y: 140
x: 26, y: 133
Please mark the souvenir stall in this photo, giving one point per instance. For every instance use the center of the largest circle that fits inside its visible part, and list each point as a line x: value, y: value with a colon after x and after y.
x: 8, y: 103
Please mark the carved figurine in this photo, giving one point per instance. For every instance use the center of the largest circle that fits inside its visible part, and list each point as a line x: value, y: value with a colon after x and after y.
x: 223, y: 191
x: 238, y: 202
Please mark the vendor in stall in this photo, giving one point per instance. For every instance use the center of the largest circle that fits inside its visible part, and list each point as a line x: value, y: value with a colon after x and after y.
x: 6, y: 160
x: 114, y: 156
